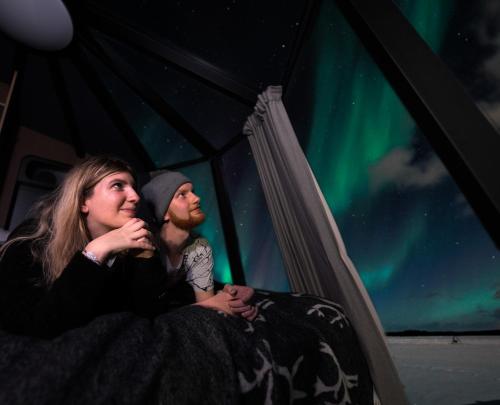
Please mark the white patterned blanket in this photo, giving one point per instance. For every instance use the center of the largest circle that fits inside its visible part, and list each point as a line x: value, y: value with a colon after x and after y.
x: 300, y: 349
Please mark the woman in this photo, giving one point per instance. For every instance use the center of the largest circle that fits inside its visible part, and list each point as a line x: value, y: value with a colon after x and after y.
x: 85, y: 254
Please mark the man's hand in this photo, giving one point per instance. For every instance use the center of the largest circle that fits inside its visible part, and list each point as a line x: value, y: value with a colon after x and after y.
x: 219, y: 302
x: 240, y: 305
x: 239, y: 291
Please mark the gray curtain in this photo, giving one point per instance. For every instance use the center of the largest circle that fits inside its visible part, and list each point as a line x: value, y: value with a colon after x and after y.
x: 311, y: 245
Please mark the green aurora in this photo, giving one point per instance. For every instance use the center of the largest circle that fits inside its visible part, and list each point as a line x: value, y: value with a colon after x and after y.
x: 391, y: 231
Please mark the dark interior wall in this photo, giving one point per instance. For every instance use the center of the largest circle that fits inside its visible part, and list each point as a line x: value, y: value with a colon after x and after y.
x: 30, y: 144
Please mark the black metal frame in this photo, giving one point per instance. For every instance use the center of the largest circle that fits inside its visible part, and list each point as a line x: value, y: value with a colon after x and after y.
x: 227, y: 220
x: 67, y: 106
x: 98, y: 88
x: 462, y: 137
x: 127, y: 74
x: 202, y: 71
x: 134, y: 81
x: 235, y: 140
x: 161, y: 49
x: 305, y: 27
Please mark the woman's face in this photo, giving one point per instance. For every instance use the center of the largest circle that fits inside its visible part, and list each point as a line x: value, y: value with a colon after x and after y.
x: 112, y: 204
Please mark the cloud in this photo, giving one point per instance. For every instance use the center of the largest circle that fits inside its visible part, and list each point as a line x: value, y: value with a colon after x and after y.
x: 497, y: 295
x: 488, y: 34
x: 496, y: 313
x: 462, y: 206
x: 397, y: 168
x: 487, y: 75
x: 491, y: 111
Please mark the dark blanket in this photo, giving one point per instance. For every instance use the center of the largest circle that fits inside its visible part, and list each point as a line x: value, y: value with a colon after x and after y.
x: 299, y: 349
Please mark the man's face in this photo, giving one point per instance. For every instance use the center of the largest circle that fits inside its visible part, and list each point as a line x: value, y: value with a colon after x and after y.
x: 184, y: 210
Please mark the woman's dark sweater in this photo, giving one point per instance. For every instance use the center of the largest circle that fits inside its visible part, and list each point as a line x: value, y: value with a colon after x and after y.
x: 84, y: 291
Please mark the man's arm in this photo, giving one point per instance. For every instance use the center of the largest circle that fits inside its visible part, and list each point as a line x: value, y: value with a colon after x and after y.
x: 199, y: 269
x: 203, y: 295
x: 200, y: 275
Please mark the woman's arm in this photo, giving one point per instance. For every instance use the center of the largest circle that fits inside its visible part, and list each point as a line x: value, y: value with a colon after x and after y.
x: 30, y: 307
x: 84, y: 290
x: 147, y: 285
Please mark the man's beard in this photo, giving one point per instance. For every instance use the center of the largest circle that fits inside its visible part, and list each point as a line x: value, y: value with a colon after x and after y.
x: 187, y: 224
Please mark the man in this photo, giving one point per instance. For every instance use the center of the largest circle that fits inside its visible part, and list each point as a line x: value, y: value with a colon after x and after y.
x: 188, y: 258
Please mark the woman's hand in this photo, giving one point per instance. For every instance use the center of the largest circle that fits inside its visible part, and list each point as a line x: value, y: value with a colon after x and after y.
x: 132, y: 235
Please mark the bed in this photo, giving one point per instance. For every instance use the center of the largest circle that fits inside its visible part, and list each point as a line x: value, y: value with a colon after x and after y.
x: 300, y: 349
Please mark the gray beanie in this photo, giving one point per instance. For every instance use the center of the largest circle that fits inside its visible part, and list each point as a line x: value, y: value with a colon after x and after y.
x: 160, y: 190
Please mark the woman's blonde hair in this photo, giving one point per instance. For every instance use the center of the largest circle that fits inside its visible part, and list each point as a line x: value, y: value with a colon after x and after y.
x: 60, y: 230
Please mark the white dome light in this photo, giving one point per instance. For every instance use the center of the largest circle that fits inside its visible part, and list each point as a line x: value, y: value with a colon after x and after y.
x: 41, y: 24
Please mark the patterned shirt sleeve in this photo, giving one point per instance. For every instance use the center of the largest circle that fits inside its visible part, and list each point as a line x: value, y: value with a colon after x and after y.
x: 199, y: 265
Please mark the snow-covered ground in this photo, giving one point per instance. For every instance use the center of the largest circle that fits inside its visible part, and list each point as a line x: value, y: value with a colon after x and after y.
x: 435, y: 371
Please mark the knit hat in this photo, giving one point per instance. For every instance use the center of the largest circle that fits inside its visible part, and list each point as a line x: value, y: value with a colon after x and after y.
x: 160, y: 190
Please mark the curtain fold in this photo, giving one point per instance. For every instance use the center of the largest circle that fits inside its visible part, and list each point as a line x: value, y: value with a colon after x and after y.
x: 313, y: 252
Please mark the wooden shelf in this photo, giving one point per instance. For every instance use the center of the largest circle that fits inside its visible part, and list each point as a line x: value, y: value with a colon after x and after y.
x: 5, y: 95
x: 4, y: 91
